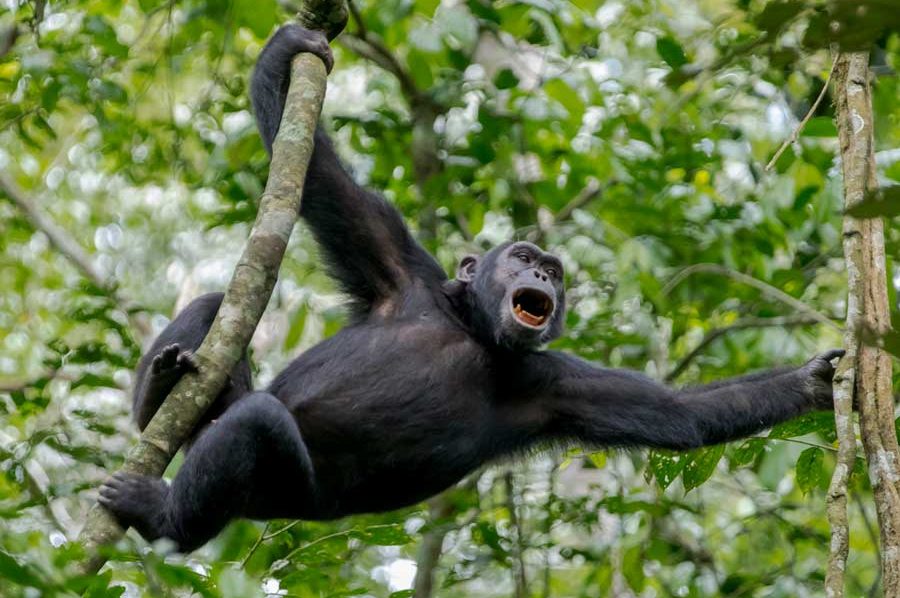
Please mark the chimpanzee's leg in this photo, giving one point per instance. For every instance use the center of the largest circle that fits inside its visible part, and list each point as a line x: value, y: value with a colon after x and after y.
x: 251, y: 462
x: 170, y: 357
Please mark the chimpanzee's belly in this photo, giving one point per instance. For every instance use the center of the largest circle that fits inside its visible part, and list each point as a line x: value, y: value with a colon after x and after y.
x: 390, y: 414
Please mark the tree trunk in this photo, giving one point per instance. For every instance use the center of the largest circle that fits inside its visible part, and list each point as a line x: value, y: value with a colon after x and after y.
x: 250, y: 287
x: 868, y: 315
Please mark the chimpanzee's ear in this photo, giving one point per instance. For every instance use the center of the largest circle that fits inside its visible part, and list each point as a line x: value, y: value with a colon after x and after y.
x: 466, y: 269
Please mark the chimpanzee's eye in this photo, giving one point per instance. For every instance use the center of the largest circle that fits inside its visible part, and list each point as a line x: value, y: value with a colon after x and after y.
x: 524, y: 257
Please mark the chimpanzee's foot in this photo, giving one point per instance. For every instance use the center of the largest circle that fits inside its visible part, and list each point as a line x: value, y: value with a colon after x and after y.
x: 300, y: 40
x: 138, y: 501
x: 172, y: 363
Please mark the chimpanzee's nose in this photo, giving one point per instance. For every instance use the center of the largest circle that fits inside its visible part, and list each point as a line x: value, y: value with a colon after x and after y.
x: 539, y: 275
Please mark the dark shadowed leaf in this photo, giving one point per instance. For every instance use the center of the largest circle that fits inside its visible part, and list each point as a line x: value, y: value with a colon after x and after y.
x: 665, y: 466
x: 882, y: 202
x: 700, y: 465
x: 671, y: 51
x: 809, y: 468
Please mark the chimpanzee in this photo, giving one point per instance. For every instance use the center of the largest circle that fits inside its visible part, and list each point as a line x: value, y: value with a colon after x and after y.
x: 431, y: 378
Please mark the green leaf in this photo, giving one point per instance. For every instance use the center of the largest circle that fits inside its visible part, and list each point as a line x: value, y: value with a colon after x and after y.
x: 260, y: 16
x: 777, y: 14
x: 633, y: 568
x: 298, y: 323
x: 506, y: 79
x: 13, y: 571
x: 665, y: 466
x: 568, y: 97
x: 748, y: 452
x: 420, y: 69
x: 700, y: 465
x: 883, y: 202
x: 809, y: 469
x: 383, y: 535
x: 671, y: 51
x: 820, y: 422
x: 820, y: 126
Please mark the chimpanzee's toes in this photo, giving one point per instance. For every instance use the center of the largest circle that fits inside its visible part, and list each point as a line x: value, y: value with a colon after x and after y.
x: 137, y: 501
x: 173, y: 361
x: 166, y: 359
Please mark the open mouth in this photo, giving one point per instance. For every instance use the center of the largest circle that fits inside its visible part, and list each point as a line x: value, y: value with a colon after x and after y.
x: 532, y: 307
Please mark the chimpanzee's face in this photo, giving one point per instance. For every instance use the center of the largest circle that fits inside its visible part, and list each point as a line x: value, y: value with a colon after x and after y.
x: 519, y: 292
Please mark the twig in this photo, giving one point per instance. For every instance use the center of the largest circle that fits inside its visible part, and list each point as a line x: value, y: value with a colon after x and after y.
x: 375, y: 52
x: 325, y: 538
x: 8, y: 40
x: 591, y: 191
x: 742, y: 324
x: 518, y: 549
x: 59, y: 238
x: 429, y: 554
x: 824, y: 447
x: 36, y: 481
x: 265, y: 536
x: 796, y: 132
x: 765, y: 287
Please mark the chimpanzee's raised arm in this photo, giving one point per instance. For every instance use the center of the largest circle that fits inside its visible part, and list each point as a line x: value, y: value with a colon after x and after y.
x: 366, y: 243
x: 606, y: 407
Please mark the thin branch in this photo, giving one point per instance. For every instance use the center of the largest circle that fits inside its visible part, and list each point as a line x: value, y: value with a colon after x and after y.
x: 69, y: 248
x: 374, y: 51
x: 765, y: 287
x: 346, y: 532
x: 357, y: 19
x: 518, y: 549
x: 265, y: 536
x: 8, y: 40
x: 250, y: 287
x: 591, y: 191
x: 817, y: 445
x: 59, y: 238
x: 742, y: 324
x: 795, y: 134
x: 429, y: 554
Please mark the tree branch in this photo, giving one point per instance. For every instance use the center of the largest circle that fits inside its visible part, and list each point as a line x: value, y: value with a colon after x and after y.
x: 765, y: 287
x: 429, y: 554
x: 423, y: 111
x: 250, y: 287
x: 8, y: 40
x: 796, y: 132
x: 865, y: 371
x: 742, y: 324
x: 366, y: 47
x: 59, y: 238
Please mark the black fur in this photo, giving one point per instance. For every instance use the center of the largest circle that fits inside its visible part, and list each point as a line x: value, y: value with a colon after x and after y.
x: 432, y: 378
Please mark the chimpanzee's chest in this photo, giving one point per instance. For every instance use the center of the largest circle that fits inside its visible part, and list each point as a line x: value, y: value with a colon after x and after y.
x: 392, y: 413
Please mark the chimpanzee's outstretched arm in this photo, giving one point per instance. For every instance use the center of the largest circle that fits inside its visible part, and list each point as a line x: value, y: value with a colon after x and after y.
x: 606, y: 407
x: 366, y: 243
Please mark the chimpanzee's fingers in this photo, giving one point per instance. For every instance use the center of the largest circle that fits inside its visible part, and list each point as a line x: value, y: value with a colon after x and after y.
x: 832, y: 354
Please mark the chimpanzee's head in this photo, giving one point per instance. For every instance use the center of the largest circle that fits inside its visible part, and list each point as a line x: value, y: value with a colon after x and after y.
x: 516, y: 293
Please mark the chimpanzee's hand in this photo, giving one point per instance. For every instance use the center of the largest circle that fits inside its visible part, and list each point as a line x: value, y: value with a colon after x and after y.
x: 816, y: 377
x: 297, y: 40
